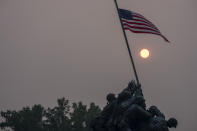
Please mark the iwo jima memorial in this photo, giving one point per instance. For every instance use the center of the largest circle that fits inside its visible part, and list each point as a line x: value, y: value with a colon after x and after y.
x: 127, y: 111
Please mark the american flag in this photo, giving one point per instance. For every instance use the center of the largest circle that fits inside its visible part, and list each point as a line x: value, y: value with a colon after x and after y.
x: 137, y: 23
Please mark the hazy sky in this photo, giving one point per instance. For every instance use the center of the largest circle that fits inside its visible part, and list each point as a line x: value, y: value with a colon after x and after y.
x: 75, y: 49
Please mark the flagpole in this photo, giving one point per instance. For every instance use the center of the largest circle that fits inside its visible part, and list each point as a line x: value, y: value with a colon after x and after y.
x: 126, y: 40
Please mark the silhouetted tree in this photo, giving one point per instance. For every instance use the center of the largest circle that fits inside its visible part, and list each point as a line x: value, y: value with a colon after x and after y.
x: 57, y: 117
x: 81, y: 116
x: 28, y: 119
x: 92, y: 112
x: 78, y: 117
x: 62, y: 117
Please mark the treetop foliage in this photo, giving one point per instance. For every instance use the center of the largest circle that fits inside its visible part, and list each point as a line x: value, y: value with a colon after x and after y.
x: 63, y: 117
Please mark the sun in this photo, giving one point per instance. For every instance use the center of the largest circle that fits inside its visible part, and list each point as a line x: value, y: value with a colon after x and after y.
x: 144, y: 53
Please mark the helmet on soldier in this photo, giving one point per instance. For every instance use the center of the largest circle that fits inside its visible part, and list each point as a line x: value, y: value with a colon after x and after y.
x: 110, y: 97
x: 172, y: 122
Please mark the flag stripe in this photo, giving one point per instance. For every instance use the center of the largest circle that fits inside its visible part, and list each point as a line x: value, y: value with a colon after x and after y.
x: 138, y: 22
x: 145, y: 30
x: 136, y: 30
x: 140, y: 25
x: 134, y: 13
x: 144, y: 20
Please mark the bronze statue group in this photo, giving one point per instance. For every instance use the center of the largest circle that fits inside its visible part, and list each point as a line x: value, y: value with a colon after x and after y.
x: 128, y: 112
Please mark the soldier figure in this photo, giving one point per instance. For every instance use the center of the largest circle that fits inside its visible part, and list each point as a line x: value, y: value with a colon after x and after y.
x: 99, y: 123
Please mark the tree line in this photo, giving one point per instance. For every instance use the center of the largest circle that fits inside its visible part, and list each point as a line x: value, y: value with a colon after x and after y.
x: 63, y: 117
